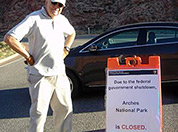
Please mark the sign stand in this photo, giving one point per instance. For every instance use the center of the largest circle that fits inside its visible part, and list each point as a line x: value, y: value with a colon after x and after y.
x: 133, y: 96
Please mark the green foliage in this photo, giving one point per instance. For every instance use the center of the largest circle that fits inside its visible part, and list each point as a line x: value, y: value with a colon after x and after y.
x: 5, y: 50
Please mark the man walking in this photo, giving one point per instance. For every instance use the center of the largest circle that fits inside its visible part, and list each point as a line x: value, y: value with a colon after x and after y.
x: 46, y: 30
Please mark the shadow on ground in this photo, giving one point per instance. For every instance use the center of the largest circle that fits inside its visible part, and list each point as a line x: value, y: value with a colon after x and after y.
x: 15, y: 103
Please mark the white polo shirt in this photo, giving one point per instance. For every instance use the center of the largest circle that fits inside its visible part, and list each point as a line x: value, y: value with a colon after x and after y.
x: 46, y: 38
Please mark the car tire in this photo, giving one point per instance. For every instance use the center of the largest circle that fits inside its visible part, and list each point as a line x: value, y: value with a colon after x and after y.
x: 75, y: 85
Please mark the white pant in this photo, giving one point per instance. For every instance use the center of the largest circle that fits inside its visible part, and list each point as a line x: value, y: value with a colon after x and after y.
x: 53, y: 90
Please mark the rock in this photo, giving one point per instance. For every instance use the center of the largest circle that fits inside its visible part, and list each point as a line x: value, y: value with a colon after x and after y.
x: 94, y: 15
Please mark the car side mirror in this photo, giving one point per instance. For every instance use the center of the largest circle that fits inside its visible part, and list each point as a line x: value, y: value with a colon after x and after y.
x: 93, y: 48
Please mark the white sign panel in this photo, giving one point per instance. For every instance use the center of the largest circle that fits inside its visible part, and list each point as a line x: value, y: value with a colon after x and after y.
x: 133, y: 101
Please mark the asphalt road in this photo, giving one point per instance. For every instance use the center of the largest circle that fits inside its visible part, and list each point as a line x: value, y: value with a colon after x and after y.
x: 89, y: 109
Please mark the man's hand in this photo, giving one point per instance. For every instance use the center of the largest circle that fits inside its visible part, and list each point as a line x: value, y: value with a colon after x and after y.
x: 68, y: 43
x: 29, y: 60
x: 65, y: 53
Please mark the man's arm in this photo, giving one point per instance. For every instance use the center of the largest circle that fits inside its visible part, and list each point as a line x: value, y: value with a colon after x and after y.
x: 68, y: 43
x: 19, y: 48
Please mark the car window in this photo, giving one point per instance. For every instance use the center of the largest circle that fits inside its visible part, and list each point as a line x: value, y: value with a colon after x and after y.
x: 156, y: 36
x: 120, y: 39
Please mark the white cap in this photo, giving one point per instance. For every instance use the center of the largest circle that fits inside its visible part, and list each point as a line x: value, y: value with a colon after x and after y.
x: 60, y: 1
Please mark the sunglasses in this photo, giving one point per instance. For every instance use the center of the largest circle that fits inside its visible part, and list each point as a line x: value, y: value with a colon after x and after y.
x: 59, y: 4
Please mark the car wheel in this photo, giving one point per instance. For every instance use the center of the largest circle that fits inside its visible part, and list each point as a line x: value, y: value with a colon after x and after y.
x: 74, y: 84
